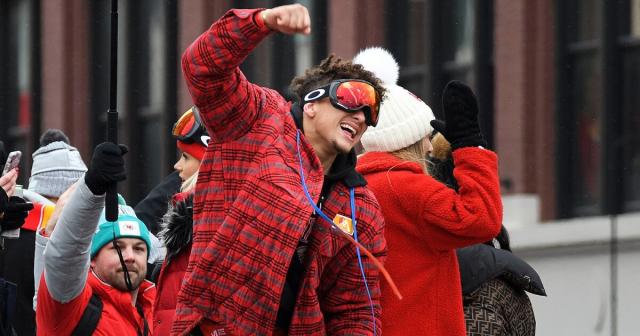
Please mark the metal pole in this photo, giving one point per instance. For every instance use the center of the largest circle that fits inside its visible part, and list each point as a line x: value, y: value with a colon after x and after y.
x: 111, y: 207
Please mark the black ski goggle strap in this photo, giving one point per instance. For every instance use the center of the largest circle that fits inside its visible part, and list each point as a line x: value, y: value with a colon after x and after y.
x: 350, y: 95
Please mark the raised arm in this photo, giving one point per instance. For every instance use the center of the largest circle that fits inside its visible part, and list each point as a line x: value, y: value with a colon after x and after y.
x: 474, y: 213
x: 67, y: 255
x: 228, y: 103
x: 437, y: 215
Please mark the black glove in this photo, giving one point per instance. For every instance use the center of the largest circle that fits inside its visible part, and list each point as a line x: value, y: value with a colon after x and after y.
x: 460, y: 126
x: 4, y: 200
x: 15, y: 213
x: 3, y: 154
x: 107, y: 167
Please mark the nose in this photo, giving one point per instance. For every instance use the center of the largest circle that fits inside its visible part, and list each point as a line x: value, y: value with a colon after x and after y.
x: 127, y: 254
x: 177, y: 165
x: 359, y: 116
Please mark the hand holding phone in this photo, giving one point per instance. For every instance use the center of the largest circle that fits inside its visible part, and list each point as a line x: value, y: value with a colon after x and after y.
x: 13, y: 161
x: 8, y: 182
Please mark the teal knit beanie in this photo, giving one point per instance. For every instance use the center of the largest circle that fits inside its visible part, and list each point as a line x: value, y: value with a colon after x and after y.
x: 127, y: 226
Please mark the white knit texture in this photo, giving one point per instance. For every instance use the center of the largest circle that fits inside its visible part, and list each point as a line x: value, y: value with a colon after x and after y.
x: 404, y: 119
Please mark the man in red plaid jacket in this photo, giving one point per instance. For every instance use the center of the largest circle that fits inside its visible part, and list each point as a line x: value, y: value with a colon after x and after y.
x: 263, y: 261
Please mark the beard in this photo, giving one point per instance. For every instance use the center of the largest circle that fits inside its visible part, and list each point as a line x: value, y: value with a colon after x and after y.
x: 117, y: 279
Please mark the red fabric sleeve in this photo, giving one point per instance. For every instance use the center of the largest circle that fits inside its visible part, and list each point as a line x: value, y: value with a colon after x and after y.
x: 228, y: 103
x: 57, y: 318
x: 473, y: 215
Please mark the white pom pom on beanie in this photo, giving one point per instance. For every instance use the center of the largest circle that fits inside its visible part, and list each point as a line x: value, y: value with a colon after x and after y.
x: 404, y: 118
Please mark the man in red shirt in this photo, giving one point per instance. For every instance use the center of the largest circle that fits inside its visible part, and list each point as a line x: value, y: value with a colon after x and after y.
x: 81, y: 263
x: 266, y: 256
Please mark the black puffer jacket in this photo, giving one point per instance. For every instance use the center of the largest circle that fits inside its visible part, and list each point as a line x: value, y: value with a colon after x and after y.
x: 494, y: 282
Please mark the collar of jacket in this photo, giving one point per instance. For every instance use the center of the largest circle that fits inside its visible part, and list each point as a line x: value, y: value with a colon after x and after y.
x: 344, y: 166
x: 121, y: 300
x: 177, y: 225
x: 480, y: 263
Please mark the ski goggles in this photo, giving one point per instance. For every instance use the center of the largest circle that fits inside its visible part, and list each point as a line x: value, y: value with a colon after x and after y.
x: 189, y: 128
x: 350, y: 95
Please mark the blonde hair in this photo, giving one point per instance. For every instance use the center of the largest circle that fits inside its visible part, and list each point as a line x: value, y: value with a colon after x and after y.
x: 190, y: 183
x: 414, y: 153
x: 441, y: 147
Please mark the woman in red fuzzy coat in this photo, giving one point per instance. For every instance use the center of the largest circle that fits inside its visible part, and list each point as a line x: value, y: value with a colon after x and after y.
x: 425, y: 220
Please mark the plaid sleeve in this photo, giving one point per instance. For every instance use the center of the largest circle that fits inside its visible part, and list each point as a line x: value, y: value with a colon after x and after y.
x: 228, y: 103
x: 346, y: 305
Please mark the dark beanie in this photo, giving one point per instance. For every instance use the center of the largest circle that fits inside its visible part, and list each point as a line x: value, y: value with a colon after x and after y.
x: 53, y: 135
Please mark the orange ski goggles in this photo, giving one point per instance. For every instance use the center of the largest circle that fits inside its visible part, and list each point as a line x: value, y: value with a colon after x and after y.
x: 189, y: 128
x: 350, y: 95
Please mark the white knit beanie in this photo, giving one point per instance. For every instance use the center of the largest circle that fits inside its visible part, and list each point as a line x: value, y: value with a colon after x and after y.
x: 55, y: 168
x: 404, y: 118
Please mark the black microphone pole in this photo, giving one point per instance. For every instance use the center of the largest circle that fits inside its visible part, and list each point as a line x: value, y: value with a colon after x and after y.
x: 111, y: 202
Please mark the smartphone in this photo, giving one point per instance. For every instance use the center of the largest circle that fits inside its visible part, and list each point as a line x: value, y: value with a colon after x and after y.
x: 13, y: 161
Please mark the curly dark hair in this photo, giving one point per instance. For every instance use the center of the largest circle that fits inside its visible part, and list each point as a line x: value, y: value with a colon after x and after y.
x: 330, y: 69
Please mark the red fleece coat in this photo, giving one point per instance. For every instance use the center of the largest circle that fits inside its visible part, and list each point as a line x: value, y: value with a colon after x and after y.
x: 250, y: 210
x: 425, y: 222
x: 169, y: 282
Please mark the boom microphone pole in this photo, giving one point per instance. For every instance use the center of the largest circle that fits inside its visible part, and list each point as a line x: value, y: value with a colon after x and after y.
x: 111, y: 202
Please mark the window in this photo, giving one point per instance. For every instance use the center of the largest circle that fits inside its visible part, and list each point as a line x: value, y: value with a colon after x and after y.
x: 599, y: 62
x: 583, y: 108
x: 147, y: 85
x: 629, y: 40
x: 19, y: 78
x: 437, y: 41
x: 407, y: 38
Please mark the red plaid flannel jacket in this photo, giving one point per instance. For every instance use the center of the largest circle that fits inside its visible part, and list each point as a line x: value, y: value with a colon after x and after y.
x: 250, y: 210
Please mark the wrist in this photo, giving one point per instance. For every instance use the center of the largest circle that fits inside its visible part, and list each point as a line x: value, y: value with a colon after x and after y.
x: 476, y: 140
x: 264, y: 15
x: 95, y: 187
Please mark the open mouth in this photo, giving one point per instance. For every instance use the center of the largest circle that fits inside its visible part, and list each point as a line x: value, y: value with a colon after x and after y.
x: 349, y: 130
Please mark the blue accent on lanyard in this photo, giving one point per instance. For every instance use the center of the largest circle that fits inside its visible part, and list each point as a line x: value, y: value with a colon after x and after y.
x: 352, y: 203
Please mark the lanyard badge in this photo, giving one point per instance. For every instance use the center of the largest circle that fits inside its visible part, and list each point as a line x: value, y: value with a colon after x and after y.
x: 344, y: 223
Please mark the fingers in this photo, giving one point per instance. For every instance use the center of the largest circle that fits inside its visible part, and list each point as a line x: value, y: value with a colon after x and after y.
x: 460, y: 97
x: 438, y: 125
x: 8, y: 181
x: 124, y: 149
x: 17, y: 204
x: 289, y: 19
x: 107, y: 167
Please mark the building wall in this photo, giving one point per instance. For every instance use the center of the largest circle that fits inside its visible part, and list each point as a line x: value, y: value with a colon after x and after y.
x: 64, y: 64
x: 590, y: 278
x: 524, y: 96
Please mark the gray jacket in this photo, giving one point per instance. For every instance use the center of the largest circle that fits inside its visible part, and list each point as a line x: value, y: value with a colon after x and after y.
x: 67, y: 255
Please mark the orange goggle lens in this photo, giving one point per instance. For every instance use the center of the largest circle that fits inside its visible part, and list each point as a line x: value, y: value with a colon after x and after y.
x: 187, y: 126
x: 357, y: 95
x: 351, y: 95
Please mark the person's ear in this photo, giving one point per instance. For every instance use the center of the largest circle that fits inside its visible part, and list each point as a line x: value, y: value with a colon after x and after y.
x: 310, y: 109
